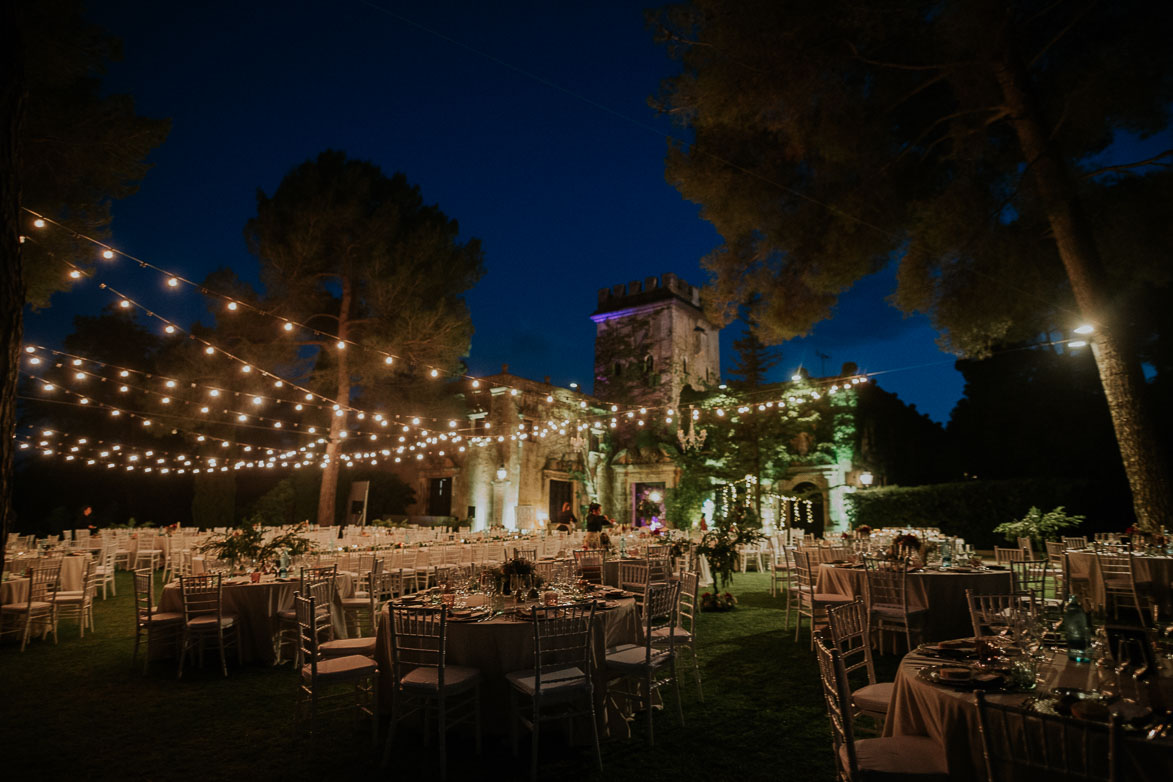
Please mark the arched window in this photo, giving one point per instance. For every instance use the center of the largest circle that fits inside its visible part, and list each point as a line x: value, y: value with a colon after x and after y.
x: 649, y: 364
x: 617, y: 370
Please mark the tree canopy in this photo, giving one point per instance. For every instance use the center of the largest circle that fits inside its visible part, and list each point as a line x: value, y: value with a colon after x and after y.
x: 359, y: 257
x: 965, y: 139
x: 66, y: 150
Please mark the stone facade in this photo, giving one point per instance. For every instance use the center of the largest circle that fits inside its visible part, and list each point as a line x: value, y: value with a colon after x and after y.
x: 532, y: 447
x: 667, y: 343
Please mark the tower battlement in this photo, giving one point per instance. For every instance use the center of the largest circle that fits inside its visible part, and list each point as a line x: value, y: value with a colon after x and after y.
x: 647, y: 291
x: 651, y: 339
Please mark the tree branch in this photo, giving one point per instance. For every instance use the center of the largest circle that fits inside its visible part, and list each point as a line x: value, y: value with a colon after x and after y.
x: 903, y: 66
x: 1059, y: 35
x: 1153, y: 161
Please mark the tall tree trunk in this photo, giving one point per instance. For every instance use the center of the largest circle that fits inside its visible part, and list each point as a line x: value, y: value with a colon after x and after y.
x: 12, y: 283
x: 1119, y: 368
x: 328, y: 495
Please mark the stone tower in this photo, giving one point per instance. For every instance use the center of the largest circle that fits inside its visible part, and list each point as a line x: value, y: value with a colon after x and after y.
x: 651, y: 340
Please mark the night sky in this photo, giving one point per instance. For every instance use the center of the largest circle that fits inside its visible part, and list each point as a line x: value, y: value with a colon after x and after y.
x: 528, y: 123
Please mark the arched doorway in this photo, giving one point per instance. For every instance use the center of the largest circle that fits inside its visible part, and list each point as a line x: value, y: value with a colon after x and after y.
x: 807, y: 518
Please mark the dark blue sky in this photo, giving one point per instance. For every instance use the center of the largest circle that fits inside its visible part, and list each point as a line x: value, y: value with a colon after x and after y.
x: 526, y: 121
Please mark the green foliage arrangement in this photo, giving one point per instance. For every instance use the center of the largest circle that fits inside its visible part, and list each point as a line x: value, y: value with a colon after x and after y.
x: 1038, y: 526
x: 247, y: 542
x: 131, y: 523
x: 719, y: 545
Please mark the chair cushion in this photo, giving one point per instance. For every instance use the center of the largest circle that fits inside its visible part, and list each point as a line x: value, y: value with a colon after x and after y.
x: 898, y: 757
x: 456, y: 678
x: 20, y: 608
x: 159, y: 617
x: 679, y: 632
x: 873, y: 697
x: 631, y: 657
x: 356, y: 602
x: 346, y: 646
x: 1123, y: 583
x: 562, y: 681
x: 342, y: 668
x: 70, y: 597
x: 896, y: 611
x: 206, y: 621
x: 827, y: 597
x: 287, y: 613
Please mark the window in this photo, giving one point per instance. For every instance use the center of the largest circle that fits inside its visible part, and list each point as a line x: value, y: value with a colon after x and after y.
x: 649, y: 364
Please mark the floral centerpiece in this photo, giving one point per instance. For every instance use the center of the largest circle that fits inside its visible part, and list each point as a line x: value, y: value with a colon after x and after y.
x: 904, y: 546
x: 247, y: 543
x: 717, y: 601
x: 719, y: 545
x: 521, y: 568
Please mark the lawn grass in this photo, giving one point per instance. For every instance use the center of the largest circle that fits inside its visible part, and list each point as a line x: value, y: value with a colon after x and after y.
x: 79, y: 709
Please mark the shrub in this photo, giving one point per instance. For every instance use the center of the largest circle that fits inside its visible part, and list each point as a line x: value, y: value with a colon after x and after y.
x: 973, y: 509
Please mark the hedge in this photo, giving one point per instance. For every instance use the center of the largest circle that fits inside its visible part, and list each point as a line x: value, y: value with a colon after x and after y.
x: 972, y: 509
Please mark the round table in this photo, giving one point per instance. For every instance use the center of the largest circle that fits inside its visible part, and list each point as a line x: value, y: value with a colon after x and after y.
x: 948, y: 715
x: 505, y: 644
x: 1158, y: 571
x: 256, y: 606
x: 16, y: 590
x: 941, y: 592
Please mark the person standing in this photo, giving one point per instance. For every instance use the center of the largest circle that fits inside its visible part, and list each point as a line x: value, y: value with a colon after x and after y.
x: 595, y: 522
x: 566, y: 520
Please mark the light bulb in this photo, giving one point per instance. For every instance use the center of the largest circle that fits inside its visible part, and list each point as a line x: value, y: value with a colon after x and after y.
x: 172, y: 282
x: 232, y: 306
x: 288, y: 326
x: 107, y: 254
x: 39, y: 223
x: 388, y: 360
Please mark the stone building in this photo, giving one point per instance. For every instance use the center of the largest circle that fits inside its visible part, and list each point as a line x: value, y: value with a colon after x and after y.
x: 535, y: 446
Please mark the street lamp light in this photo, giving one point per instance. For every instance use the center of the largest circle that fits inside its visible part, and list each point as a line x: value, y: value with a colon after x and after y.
x: 866, y: 479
